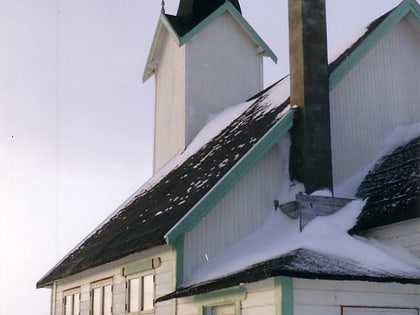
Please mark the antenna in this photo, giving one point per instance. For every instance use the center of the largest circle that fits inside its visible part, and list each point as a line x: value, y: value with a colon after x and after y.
x: 163, y: 7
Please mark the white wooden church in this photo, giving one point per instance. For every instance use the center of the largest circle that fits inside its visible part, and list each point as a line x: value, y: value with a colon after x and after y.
x: 300, y: 198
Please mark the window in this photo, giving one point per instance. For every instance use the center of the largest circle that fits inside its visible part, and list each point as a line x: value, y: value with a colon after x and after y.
x: 226, y: 302
x: 140, y: 293
x: 354, y: 310
x: 101, y: 294
x: 220, y: 310
x: 71, y: 302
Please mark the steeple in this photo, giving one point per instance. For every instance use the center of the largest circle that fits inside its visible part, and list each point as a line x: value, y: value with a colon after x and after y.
x: 200, y: 9
x: 204, y: 59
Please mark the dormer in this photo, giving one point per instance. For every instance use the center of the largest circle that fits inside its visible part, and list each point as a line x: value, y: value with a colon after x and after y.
x: 204, y: 59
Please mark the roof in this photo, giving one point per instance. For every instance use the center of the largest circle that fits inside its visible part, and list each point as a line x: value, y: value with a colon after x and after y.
x: 182, y: 29
x: 392, y: 189
x: 344, y: 63
x: 300, y: 263
x: 148, y: 216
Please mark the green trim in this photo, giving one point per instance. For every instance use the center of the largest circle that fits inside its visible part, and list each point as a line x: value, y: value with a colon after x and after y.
x: 407, y: 6
x: 164, y: 24
x: 231, y: 178
x: 283, y: 290
x: 179, y: 263
x: 147, y: 264
x: 219, y: 298
x: 228, y: 7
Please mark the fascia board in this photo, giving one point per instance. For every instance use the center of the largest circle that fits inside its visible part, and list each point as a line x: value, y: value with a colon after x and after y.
x: 376, y: 35
x: 228, y: 7
x: 230, y: 179
x: 162, y: 27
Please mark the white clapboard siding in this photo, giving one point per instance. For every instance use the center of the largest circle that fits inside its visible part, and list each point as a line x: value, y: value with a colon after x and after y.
x: 406, y: 233
x: 223, y: 69
x: 239, y: 213
x: 170, y: 103
x: 318, y: 297
x: 219, y: 67
x: 83, y: 280
x: 379, y: 94
x: 259, y: 300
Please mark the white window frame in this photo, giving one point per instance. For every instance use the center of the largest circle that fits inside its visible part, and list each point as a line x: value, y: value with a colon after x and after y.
x: 354, y: 310
x: 74, y: 294
x: 140, y: 276
x: 101, y: 284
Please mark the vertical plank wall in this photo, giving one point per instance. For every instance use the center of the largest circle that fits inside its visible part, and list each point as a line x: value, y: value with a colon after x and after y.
x: 239, y: 213
x: 223, y: 69
x: 379, y: 94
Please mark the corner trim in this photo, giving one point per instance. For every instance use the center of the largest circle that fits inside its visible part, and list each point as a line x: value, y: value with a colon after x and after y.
x: 283, y: 290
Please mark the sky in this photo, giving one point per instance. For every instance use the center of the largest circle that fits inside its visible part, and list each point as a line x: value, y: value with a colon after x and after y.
x: 76, y: 121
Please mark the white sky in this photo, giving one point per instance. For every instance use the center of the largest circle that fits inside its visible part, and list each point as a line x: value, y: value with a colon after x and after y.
x: 76, y: 122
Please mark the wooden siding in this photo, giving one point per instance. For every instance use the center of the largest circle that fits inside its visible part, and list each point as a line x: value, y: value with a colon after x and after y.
x: 223, y: 69
x: 240, y: 212
x: 378, y: 95
x: 405, y: 233
x: 169, y: 103
x: 164, y: 282
x: 317, y: 297
x: 260, y: 299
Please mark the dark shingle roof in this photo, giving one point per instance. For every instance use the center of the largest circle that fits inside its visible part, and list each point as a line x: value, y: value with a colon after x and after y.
x: 392, y: 189
x: 143, y: 222
x: 192, y: 12
x: 301, y: 263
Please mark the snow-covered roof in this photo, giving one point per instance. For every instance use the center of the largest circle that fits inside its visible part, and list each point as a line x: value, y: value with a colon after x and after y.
x: 300, y: 263
x: 143, y: 221
x: 153, y: 211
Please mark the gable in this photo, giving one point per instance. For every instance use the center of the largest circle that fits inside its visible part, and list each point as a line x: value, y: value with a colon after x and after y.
x: 183, y: 33
x: 377, y: 95
x: 147, y: 217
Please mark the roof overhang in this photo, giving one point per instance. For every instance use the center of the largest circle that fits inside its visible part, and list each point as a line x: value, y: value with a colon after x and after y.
x: 301, y: 263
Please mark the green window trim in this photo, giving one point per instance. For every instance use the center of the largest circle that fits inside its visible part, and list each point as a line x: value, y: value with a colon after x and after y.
x: 283, y: 294
x: 141, y: 266
x: 220, y: 298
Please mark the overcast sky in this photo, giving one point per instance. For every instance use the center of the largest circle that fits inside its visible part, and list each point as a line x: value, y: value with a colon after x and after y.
x: 76, y: 121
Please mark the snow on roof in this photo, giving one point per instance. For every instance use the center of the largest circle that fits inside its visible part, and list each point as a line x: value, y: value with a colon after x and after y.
x: 344, y: 29
x: 327, y: 235
x: 143, y: 220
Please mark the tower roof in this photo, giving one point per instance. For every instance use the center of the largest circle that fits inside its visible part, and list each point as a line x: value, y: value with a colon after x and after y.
x: 200, y: 9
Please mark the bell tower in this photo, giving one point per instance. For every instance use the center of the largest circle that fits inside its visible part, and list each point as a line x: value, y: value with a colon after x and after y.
x: 204, y: 59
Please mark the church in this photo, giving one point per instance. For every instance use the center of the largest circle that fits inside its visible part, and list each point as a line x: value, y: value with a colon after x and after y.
x: 298, y: 198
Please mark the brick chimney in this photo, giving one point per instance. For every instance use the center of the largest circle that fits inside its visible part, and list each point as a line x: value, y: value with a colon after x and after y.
x: 311, y: 139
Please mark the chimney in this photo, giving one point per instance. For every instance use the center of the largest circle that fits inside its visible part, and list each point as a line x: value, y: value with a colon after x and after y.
x: 311, y: 139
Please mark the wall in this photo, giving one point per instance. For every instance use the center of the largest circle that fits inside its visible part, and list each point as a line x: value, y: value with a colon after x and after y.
x: 405, y: 233
x: 375, y: 97
x: 223, y: 69
x: 169, y: 103
x: 317, y: 297
x: 164, y: 282
x: 241, y: 211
